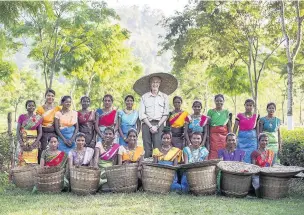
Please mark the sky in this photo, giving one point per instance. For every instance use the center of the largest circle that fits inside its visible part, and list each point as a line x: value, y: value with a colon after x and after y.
x: 167, y: 6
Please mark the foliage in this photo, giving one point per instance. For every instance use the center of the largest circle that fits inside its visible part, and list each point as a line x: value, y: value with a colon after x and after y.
x: 293, y: 147
x: 225, y: 33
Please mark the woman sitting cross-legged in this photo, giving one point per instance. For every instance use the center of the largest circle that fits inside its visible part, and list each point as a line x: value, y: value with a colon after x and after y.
x: 262, y: 157
x: 230, y: 153
x: 168, y: 155
x: 195, y: 152
x: 80, y: 156
x: 105, y: 155
x: 52, y: 156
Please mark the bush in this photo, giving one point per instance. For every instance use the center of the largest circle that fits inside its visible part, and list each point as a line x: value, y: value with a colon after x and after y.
x: 293, y: 147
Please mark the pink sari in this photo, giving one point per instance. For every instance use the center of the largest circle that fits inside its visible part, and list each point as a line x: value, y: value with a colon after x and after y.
x: 110, y: 153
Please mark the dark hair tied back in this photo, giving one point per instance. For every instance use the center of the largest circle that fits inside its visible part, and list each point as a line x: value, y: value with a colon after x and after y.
x: 219, y: 96
x: 271, y: 103
x: 64, y: 98
x: 50, y: 91
x: 128, y: 96
x: 29, y: 101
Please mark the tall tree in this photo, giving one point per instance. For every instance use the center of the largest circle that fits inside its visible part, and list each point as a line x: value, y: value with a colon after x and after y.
x: 292, y: 46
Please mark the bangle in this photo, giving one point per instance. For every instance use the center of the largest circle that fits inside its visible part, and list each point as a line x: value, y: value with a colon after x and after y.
x: 150, y: 127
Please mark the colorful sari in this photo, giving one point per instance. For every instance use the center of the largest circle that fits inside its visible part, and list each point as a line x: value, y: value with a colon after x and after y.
x: 28, y: 133
x: 48, y: 128
x: 196, y: 155
x: 131, y: 156
x: 81, y: 158
x: 176, y: 121
x: 106, y: 120
x: 263, y: 161
x: 197, y: 124
x: 271, y: 127
x: 247, y: 136
x: 54, y: 160
x: 127, y: 121
x: 236, y: 155
x: 218, y: 131
x: 106, y: 159
x: 86, y: 125
x: 67, y: 127
x: 168, y: 158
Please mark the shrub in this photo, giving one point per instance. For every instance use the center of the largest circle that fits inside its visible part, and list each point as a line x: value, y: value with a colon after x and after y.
x: 293, y: 147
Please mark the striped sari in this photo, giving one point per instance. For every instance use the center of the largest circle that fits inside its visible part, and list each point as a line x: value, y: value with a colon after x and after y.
x: 176, y: 121
x: 54, y: 160
x: 28, y: 132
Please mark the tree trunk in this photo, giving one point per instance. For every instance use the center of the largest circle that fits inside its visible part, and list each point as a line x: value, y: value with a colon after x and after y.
x: 301, y: 111
x: 290, y: 123
x: 11, y: 139
x: 283, y: 112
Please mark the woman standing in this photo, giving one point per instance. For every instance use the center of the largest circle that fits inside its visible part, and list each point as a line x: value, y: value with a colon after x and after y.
x: 127, y: 119
x: 230, y: 153
x: 47, y: 111
x: 52, y: 156
x: 106, y: 117
x: 66, y: 125
x: 86, y: 121
x: 106, y: 155
x: 29, y: 132
x: 270, y: 125
x: 81, y: 155
x: 196, y: 123
x: 248, y: 126
x: 176, y: 121
x: 220, y: 125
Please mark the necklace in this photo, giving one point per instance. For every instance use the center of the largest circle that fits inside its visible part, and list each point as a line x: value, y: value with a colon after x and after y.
x: 106, y: 146
x: 128, y: 111
x: 218, y: 111
x: 195, y: 116
x: 165, y: 150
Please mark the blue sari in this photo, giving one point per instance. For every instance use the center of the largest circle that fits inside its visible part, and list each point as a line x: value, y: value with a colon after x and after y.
x: 67, y: 133
x: 247, y: 142
x: 128, y: 121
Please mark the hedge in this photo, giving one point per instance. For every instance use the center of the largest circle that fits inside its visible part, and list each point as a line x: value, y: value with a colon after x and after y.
x: 293, y: 147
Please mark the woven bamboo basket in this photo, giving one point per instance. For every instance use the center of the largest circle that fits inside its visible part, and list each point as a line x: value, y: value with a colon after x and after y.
x: 84, y: 180
x: 202, y: 180
x: 157, y: 178
x: 24, y: 176
x: 273, y: 187
x: 122, y: 178
x: 235, y: 185
x: 50, y: 179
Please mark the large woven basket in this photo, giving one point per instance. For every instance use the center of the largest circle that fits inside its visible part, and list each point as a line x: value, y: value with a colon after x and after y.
x: 50, y: 179
x: 202, y: 180
x: 273, y: 187
x: 122, y: 178
x: 24, y: 176
x: 157, y: 178
x: 84, y: 180
x: 235, y: 185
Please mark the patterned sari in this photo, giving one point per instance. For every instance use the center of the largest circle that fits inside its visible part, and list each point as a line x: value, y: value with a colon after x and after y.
x: 67, y: 123
x: 128, y: 121
x: 196, y: 155
x: 264, y: 159
x: 106, y: 120
x: 218, y: 131
x: 106, y: 159
x: 54, y: 160
x: 131, y: 156
x: 271, y: 127
x: 48, y: 128
x: 86, y: 125
x: 28, y: 133
x: 168, y: 158
x: 176, y: 121
x: 247, y: 136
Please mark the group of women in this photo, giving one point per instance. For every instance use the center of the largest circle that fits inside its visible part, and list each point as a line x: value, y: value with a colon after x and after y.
x: 56, y: 135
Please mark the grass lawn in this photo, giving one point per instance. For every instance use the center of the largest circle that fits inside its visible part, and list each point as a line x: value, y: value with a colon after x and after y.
x: 22, y: 202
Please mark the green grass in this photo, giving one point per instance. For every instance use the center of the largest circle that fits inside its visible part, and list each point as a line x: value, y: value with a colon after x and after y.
x: 22, y: 202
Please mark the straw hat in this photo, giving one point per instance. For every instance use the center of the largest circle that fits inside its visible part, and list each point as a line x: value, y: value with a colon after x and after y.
x: 168, y: 83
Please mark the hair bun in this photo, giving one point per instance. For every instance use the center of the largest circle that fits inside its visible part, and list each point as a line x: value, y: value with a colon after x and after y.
x: 166, y: 129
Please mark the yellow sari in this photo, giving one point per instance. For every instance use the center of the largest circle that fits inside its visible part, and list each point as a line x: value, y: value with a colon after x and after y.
x: 170, y: 156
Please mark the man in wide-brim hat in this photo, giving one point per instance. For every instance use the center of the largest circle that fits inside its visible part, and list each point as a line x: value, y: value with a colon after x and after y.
x: 154, y: 106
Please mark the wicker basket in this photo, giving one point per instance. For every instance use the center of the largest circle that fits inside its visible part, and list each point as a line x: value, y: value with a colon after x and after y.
x: 157, y: 178
x: 84, y: 180
x: 235, y: 185
x: 273, y: 187
x: 122, y: 178
x: 50, y: 179
x: 202, y: 180
x: 24, y: 176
